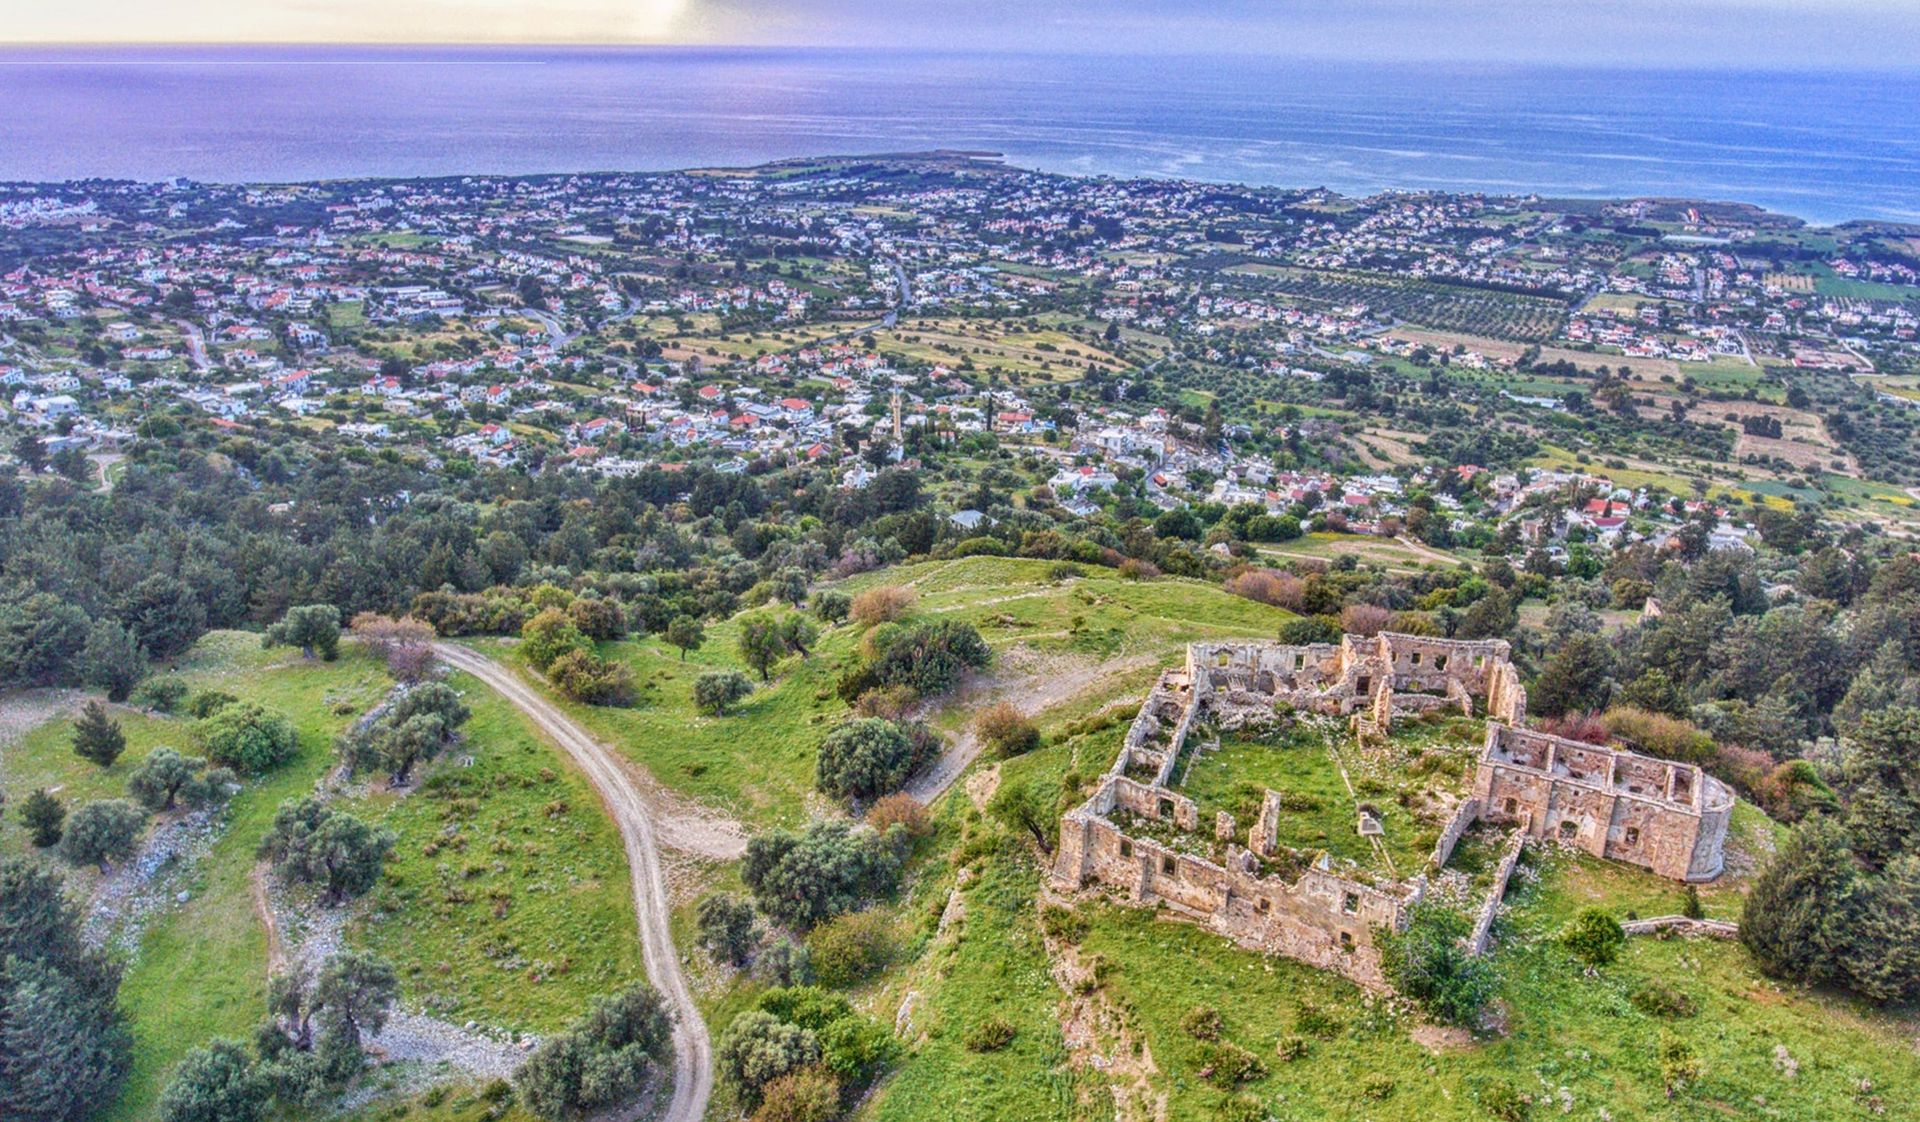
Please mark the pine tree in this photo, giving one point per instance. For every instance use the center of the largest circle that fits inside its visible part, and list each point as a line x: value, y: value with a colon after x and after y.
x: 97, y: 737
x: 43, y: 817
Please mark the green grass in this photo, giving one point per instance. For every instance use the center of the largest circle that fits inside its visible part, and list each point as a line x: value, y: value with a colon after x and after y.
x: 201, y: 970
x: 506, y: 899
x: 1567, y: 1031
x: 43, y: 757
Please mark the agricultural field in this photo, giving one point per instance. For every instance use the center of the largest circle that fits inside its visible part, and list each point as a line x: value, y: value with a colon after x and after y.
x: 1444, y: 307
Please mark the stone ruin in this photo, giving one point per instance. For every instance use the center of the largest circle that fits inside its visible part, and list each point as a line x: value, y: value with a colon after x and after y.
x: 1666, y: 817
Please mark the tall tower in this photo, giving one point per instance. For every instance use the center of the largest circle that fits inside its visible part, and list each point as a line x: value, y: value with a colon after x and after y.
x: 896, y: 419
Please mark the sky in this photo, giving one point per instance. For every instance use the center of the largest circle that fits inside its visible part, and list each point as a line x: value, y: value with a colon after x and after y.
x: 1708, y: 33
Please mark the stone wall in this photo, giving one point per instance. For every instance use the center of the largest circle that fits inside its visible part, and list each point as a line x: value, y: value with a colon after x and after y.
x: 1489, y: 908
x: 1664, y: 816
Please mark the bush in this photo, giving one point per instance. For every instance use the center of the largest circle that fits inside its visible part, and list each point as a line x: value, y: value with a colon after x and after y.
x: 1312, y: 1020
x: 867, y: 757
x: 1504, y: 1102
x: 825, y: 870
x: 314, y: 628
x: 850, y: 948
x: 1006, y: 730
x: 989, y: 1035
x: 1291, y: 1048
x: 1656, y: 999
x: 1269, y: 586
x: 405, y: 645
x: 1594, y: 937
x: 1227, y: 1065
x: 1656, y: 734
x: 548, y: 635
x: 716, y: 691
x: 785, y: 963
x: 1364, y: 620
x: 208, y: 702
x: 900, y: 810
x: 886, y: 604
x: 310, y: 843
x: 97, y: 737
x: 758, y: 1048
x: 1429, y: 964
x: 1202, y: 1022
x: 807, y: 1095
x: 248, y: 738
x: 585, y: 676
x: 895, y: 703
x: 166, y: 777
x: 599, y: 1061
x: 726, y: 927
x: 43, y: 816
x: 219, y: 1082
x: 597, y: 617
x: 1376, y: 1087
x: 831, y: 605
x: 929, y: 657
x: 162, y: 695
x: 1308, y: 630
x: 103, y: 831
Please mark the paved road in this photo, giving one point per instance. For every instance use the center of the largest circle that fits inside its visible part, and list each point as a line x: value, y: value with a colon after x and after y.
x: 692, y: 1050
x: 196, y: 344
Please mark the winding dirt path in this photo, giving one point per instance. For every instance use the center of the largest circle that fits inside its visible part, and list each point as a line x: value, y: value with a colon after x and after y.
x: 613, y: 780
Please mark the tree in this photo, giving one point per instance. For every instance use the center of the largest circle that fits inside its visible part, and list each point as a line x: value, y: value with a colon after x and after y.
x: 97, y: 737
x: 1577, y: 677
x: 248, y: 738
x: 217, y: 1083
x: 43, y: 817
x: 798, y: 634
x: 112, y: 659
x: 1007, y: 730
x: 405, y: 645
x: 585, y: 676
x: 314, y: 628
x: 102, y: 831
x: 1797, y: 919
x: 1018, y: 805
x: 727, y: 928
x: 166, y: 776
x: 825, y: 870
x: 1594, y: 937
x: 758, y: 1048
x: 335, y: 852
x: 1429, y: 964
x: 686, y: 633
x: 865, y: 758
x: 351, y: 999
x: 716, y: 691
x: 603, y: 1058
x: 64, y: 1047
x: 548, y: 635
x: 831, y: 606
x: 806, y: 1095
x: 761, y: 643
x: 40, y: 637
x: 928, y: 656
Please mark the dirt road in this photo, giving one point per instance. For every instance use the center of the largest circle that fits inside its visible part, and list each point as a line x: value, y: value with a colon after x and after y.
x: 613, y: 780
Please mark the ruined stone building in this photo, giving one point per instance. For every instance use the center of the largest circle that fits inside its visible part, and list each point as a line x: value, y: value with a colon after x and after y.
x: 1138, y: 834
x: 1667, y: 817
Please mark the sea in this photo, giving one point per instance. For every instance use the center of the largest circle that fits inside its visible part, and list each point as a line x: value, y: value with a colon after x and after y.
x: 1823, y: 146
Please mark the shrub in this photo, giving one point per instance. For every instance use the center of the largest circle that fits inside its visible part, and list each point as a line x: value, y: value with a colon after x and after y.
x: 310, y: 843
x: 867, y: 757
x: 166, y: 777
x: 1308, y: 630
x: 1269, y: 586
x: 103, y: 831
x: 785, y: 963
x: 895, y: 703
x: 97, y: 737
x: 900, y: 810
x: 219, y: 1082
x: 1291, y: 1048
x: 1657, y: 999
x: 831, y: 605
x: 548, y: 635
x: 602, y: 1059
x: 1594, y: 937
x: 726, y: 926
x: 1504, y: 1101
x: 716, y: 691
x: 758, y: 1048
x: 208, y: 702
x: 989, y: 1035
x: 314, y: 628
x: 825, y: 870
x: 1227, y: 1065
x: 1364, y: 620
x: 248, y: 738
x: 1134, y: 568
x: 1377, y: 1087
x: 1064, y: 924
x: 1656, y: 734
x: 585, y: 676
x: 886, y: 604
x: 807, y: 1095
x: 979, y: 547
x: 928, y: 656
x: 1202, y: 1022
x: 405, y: 645
x: 162, y: 695
x: 1006, y: 730
x: 1429, y: 964
x: 44, y: 817
x: 597, y: 617
x: 850, y: 948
